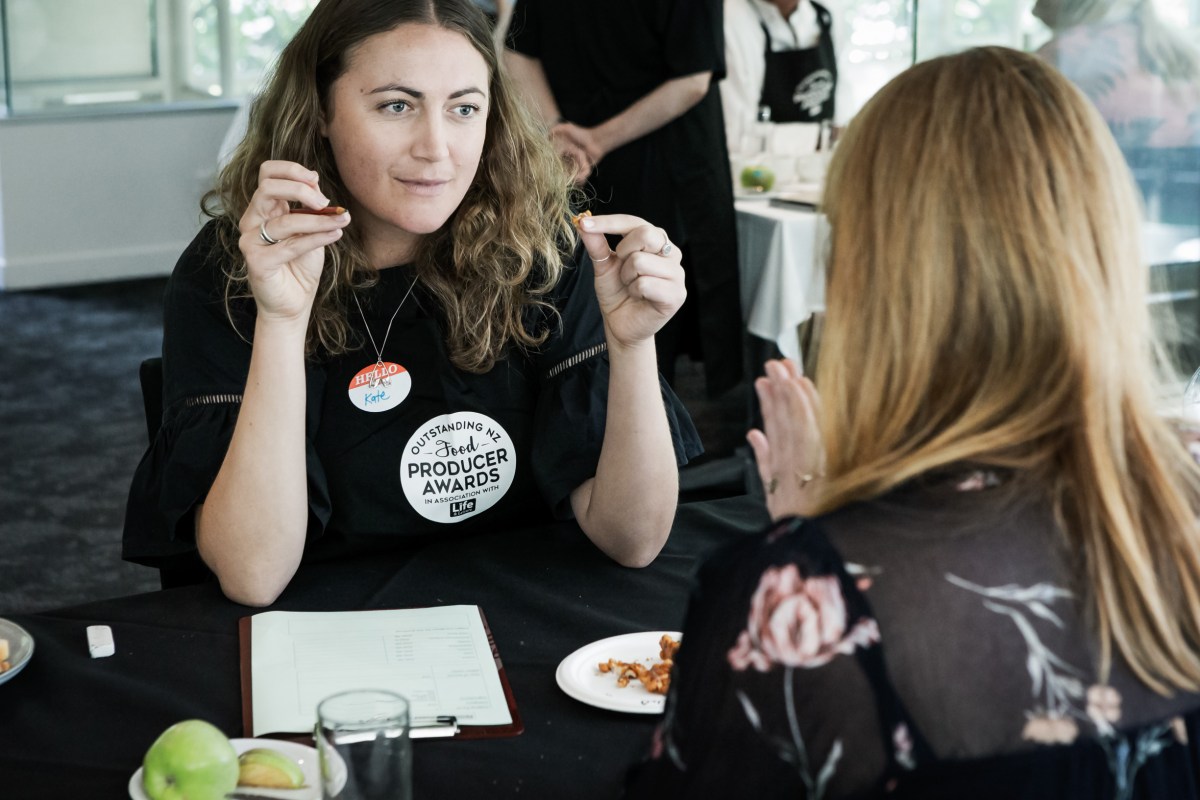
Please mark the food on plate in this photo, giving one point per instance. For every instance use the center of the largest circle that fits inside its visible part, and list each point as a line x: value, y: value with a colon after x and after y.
x: 191, y: 759
x: 575, y: 218
x: 656, y: 677
x: 269, y: 769
x: 4, y: 662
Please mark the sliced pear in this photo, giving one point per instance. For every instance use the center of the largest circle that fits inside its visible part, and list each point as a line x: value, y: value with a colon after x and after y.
x: 268, y: 769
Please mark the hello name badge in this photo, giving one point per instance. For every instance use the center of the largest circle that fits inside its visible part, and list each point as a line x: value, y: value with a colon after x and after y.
x: 380, y: 387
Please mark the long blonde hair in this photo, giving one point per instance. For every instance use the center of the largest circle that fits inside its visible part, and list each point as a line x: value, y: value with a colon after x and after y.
x: 986, y: 305
x: 499, y: 253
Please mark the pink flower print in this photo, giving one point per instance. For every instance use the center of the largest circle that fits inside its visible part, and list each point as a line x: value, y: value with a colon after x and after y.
x: 1050, y: 729
x: 977, y: 480
x: 1180, y: 729
x: 656, y: 743
x: 863, y: 576
x: 902, y: 741
x: 797, y: 623
x: 972, y: 483
x: 1103, y: 705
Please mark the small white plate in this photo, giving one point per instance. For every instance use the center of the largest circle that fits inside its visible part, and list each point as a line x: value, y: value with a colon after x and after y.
x: 579, y: 676
x: 305, y: 756
x: 20, y: 648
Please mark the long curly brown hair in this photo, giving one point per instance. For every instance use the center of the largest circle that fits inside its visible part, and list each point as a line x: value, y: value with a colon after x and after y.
x: 494, y: 259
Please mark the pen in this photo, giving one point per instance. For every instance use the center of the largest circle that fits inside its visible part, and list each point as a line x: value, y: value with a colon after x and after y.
x: 420, y: 728
x: 326, y: 211
x: 441, y: 719
x: 433, y: 727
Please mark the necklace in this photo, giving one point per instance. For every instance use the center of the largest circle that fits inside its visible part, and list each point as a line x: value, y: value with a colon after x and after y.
x: 379, y: 375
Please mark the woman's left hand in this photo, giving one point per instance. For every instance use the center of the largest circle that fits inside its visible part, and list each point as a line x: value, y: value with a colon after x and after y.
x: 640, y: 284
x: 788, y: 449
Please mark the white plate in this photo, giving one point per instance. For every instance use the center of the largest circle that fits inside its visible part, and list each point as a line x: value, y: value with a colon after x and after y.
x: 20, y: 648
x: 305, y: 756
x: 579, y: 676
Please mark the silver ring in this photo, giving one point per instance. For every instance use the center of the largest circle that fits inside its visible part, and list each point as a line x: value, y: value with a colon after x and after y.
x: 266, y: 237
x: 666, y: 249
x: 606, y: 258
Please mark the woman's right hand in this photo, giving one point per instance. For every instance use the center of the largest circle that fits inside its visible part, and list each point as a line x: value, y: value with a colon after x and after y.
x: 284, y: 276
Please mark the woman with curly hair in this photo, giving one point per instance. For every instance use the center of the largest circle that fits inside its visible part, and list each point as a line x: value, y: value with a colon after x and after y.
x: 390, y: 327
x: 983, y: 578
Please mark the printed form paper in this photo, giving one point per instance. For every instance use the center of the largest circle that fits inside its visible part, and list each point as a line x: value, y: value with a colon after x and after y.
x: 439, y: 659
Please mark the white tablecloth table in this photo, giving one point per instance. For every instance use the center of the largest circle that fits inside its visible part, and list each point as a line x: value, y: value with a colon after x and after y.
x: 781, y: 256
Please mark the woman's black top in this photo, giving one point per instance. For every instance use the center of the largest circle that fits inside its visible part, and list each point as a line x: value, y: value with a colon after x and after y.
x: 433, y: 451
x: 927, y: 644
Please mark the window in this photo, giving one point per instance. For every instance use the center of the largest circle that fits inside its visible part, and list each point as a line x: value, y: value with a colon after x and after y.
x: 879, y: 44
x: 70, y: 55
x: 229, y: 44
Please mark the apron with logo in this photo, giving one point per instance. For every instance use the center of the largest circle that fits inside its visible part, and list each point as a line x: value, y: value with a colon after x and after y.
x: 798, y: 85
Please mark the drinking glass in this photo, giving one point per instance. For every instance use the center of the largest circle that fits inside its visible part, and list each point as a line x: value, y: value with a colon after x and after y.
x: 364, y: 747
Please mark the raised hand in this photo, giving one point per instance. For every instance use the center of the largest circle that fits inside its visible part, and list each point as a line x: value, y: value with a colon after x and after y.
x: 578, y: 146
x: 573, y: 150
x: 788, y: 450
x: 640, y: 284
x: 284, y: 274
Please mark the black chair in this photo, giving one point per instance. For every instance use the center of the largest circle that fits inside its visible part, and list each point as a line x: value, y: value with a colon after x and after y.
x: 151, y: 376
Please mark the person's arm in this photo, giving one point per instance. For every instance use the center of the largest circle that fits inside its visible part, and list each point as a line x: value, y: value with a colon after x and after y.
x: 251, y: 529
x: 504, y: 12
x: 664, y: 104
x: 741, y: 88
x: 628, y: 507
x: 528, y: 73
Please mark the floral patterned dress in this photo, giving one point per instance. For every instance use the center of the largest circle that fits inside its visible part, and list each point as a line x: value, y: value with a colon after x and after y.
x: 927, y: 644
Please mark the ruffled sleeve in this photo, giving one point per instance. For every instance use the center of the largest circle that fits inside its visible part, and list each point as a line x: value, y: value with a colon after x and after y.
x: 206, y: 358
x: 573, y: 394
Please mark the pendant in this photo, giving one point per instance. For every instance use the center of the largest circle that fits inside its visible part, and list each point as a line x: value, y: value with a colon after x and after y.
x: 379, y: 375
x: 380, y: 387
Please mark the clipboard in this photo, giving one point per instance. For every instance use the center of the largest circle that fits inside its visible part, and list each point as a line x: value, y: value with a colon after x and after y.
x: 513, y: 728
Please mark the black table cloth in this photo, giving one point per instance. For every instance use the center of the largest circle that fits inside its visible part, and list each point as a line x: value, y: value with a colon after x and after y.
x: 73, y: 726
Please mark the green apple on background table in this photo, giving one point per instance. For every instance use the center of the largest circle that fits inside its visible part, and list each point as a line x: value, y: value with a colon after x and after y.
x: 758, y: 177
x: 191, y: 760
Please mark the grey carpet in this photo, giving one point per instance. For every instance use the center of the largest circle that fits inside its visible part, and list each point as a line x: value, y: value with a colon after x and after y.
x: 71, y: 432
x: 72, y: 429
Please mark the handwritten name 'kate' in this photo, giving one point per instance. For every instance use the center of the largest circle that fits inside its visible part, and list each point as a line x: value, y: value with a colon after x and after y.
x: 375, y: 397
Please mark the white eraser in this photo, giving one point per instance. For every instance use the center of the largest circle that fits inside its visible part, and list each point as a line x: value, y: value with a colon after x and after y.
x: 100, y: 641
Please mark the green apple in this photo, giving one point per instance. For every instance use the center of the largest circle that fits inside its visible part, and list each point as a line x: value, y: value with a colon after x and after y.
x: 758, y: 177
x: 191, y: 760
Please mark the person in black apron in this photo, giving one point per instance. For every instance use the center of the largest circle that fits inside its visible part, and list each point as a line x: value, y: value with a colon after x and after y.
x: 799, y: 85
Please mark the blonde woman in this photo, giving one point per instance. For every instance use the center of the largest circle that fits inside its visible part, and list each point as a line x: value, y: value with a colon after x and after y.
x: 996, y: 590
x: 436, y: 353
